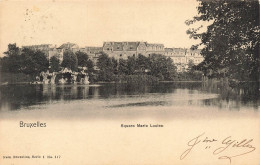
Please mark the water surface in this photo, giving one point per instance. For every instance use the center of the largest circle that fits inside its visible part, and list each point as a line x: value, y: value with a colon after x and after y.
x: 170, y: 96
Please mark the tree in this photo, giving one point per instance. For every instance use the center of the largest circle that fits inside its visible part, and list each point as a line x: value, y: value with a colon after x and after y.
x: 70, y: 60
x: 12, y: 61
x: 131, y: 65
x: 114, y: 65
x: 33, y: 62
x: 190, y: 66
x: 122, y: 67
x: 84, y: 61
x: 90, y: 66
x: 171, y: 71
x: 54, y: 64
x: 142, y: 63
x: 162, y: 67
x: 105, y: 64
x: 82, y: 58
x: 231, y: 42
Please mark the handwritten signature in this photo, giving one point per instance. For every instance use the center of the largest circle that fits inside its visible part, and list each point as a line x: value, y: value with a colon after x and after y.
x: 228, y: 143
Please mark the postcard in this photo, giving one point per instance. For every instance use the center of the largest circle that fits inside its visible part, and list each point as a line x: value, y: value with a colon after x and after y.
x: 112, y: 82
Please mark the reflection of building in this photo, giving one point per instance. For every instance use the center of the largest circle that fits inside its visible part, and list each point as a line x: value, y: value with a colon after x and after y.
x: 125, y: 49
x: 181, y: 57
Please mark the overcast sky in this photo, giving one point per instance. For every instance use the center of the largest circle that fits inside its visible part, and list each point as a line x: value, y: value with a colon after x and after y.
x: 90, y: 23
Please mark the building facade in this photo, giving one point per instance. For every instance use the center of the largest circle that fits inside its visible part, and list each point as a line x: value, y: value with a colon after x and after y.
x: 181, y: 57
x: 131, y: 49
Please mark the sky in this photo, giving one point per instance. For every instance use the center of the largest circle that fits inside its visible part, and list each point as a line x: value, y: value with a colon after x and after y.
x: 90, y: 23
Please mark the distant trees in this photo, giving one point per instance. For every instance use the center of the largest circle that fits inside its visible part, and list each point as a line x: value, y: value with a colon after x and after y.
x: 231, y: 42
x: 105, y: 64
x: 190, y: 66
x: 33, y: 62
x: 143, y: 63
x: 162, y: 67
x: 82, y: 58
x: 84, y: 61
x: 122, y: 67
x: 131, y: 65
x: 12, y: 61
x: 55, y: 64
x: 28, y: 61
x: 70, y: 60
x: 157, y: 65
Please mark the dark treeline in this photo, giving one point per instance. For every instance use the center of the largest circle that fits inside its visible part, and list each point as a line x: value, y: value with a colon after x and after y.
x: 134, y: 69
x: 156, y: 67
x: 231, y: 42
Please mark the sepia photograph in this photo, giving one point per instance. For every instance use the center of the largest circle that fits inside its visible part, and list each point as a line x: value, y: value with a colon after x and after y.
x: 129, y: 82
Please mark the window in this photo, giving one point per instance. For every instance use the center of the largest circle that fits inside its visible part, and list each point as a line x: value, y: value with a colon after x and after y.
x: 120, y: 55
x: 133, y: 55
x: 118, y: 47
x: 107, y: 48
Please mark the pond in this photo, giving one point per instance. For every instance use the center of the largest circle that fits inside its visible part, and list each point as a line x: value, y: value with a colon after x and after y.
x: 169, y: 97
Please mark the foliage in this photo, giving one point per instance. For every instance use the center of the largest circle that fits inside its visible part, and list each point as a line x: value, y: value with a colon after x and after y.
x: 189, y: 76
x: 143, y: 63
x: 54, y: 64
x: 162, y: 67
x: 131, y: 65
x: 84, y: 61
x: 191, y: 66
x: 114, y: 65
x: 105, y: 64
x: 122, y: 66
x: 82, y: 58
x: 70, y: 60
x: 12, y: 78
x: 90, y: 66
x: 231, y: 42
x: 33, y: 62
x: 12, y: 61
x: 156, y: 66
x: 27, y: 61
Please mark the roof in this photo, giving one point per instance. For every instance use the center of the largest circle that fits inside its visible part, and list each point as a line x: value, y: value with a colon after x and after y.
x: 131, y: 46
x: 168, y: 49
x: 117, y: 46
x: 38, y: 46
x: 153, y: 44
x: 128, y: 46
x: 93, y: 49
x: 68, y: 45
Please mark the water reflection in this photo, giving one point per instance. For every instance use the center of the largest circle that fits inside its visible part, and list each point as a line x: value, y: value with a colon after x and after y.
x: 220, y: 95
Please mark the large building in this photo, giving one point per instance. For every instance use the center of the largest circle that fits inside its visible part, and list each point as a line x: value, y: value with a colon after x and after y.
x: 122, y: 50
x: 125, y: 49
x: 181, y: 57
